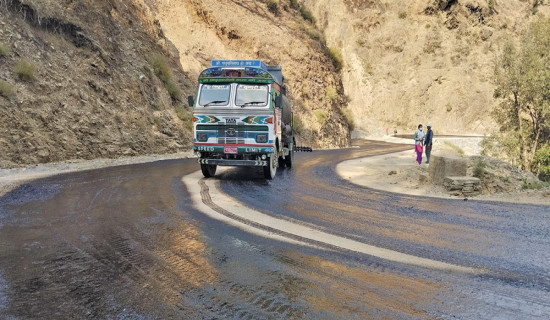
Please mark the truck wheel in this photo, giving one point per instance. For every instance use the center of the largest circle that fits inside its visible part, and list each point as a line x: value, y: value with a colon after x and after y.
x: 271, y: 169
x: 288, y: 160
x: 282, y: 162
x: 208, y: 170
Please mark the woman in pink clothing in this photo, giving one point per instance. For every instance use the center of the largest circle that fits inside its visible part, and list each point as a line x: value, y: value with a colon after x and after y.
x: 419, y: 143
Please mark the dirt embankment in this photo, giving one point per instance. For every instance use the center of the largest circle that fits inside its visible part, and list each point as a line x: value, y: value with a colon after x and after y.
x: 87, y: 88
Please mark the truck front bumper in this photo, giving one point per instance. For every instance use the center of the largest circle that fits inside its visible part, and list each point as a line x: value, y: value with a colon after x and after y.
x: 230, y: 162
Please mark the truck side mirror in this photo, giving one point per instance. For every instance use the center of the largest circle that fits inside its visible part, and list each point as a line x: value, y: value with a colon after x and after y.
x: 190, y: 101
x: 279, y: 101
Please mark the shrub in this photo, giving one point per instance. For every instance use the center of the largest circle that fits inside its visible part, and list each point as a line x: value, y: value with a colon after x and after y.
x: 479, y: 169
x: 6, y: 89
x: 4, y: 49
x: 336, y: 57
x: 315, y: 35
x: 173, y: 89
x: 161, y: 67
x: 331, y: 93
x: 542, y: 161
x: 457, y: 148
x: 321, y: 116
x: 294, y: 4
x: 162, y: 71
x: 307, y: 15
x: 273, y: 6
x: 348, y: 115
x: 402, y: 15
x: 25, y: 70
x: 297, y: 124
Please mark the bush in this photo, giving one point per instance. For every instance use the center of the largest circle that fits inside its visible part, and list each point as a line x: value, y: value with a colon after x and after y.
x: 542, y: 161
x: 6, y: 89
x: 25, y: 70
x: 297, y: 125
x: 307, y: 15
x: 456, y: 148
x: 273, y: 6
x: 348, y: 115
x: 162, y: 71
x: 294, y: 4
x: 161, y: 67
x: 173, y: 89
x: 336, y: 57
x: 4, y: 49
x: 321, y: 116
x: 402, y: 15
x: 479, y: 169
x: 332, y: 94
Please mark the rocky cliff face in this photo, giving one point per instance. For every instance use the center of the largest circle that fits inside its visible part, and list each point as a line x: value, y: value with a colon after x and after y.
x: 87, y: 88
x: 418, y: 61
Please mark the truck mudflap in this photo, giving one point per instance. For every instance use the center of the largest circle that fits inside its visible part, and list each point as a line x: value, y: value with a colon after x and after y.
x: 229, y: 162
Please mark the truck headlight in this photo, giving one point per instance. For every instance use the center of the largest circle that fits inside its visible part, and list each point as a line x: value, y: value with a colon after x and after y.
x: 202, y: 137
x: 261, y: 138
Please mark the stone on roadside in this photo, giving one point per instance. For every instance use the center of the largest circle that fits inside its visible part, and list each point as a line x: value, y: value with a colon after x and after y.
x: 441, y: 167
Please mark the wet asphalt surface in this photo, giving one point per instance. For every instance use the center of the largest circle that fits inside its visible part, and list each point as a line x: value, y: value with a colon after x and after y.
x: 126, y: 243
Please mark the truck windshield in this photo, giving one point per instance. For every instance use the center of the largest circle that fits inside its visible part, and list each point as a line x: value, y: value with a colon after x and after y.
x: 251, y: 95
x: 214, y: 95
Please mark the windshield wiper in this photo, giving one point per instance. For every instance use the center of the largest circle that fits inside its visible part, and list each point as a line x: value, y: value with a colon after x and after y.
x: 252, y: 102
x: 213, y: 102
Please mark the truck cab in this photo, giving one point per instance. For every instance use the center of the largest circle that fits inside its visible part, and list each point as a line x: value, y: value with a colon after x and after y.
x: 241, y: 117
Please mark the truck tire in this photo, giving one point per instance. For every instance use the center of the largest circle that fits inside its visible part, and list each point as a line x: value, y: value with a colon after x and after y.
x: 208, y: 170
x: 271, y: 169
x: 288, y: 159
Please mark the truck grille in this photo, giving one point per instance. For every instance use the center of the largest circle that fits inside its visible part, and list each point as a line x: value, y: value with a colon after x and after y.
x: 233, y: 134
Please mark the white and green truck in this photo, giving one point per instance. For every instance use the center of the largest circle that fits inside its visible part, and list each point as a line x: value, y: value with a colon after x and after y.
x: 242, y: 117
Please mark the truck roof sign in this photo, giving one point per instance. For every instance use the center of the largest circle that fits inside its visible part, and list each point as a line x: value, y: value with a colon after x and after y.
x: 238, y: 63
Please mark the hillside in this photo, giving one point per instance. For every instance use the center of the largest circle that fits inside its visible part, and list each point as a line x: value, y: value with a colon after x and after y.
x: 419, y: 61
x: 203, y: 30
x: 101, y: 80
x: 88, y: 89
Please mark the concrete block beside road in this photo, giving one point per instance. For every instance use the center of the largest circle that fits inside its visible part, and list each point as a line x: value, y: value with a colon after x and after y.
x: 441, y: 167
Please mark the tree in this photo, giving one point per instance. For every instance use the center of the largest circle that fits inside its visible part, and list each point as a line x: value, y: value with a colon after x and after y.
x: 522, y: 79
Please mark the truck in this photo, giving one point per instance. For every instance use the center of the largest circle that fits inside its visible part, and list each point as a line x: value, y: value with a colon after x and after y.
x: 242, y: 117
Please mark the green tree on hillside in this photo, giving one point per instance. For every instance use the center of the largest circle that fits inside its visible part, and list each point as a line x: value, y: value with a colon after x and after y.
x: 522, y: 78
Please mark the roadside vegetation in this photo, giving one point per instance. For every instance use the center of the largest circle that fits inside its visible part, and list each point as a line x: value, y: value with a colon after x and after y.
x: 522, y: 79
x: 162, y: 71
x: 456, y: 148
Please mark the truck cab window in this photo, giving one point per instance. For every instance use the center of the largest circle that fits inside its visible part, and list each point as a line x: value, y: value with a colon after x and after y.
x: 252, y: 95
x: 214, y: 95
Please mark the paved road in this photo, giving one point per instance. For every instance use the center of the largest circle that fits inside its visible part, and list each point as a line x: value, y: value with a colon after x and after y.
x: 134, y: 242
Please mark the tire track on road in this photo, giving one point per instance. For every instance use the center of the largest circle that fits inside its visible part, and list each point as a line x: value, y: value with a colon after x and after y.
x: 222, y: 207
